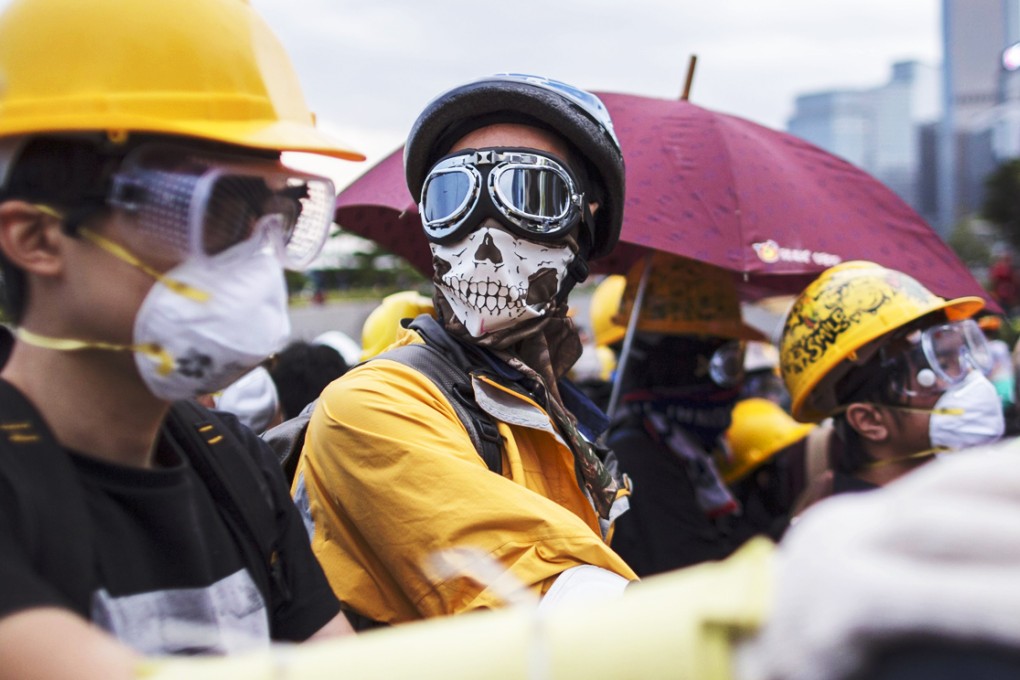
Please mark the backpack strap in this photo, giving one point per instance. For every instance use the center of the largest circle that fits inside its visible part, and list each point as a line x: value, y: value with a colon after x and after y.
x: 287, y: 439
x: 454, y: 381
x: 57, y: 533
x: 240, y: 489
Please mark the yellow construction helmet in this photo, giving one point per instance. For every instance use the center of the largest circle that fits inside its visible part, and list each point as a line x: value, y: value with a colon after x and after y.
x: 759, y: 429
x: 605, y: 303
x: 837, y: 315
x: 685, y: 297
x: 380, y: 328
x: 210, y: 69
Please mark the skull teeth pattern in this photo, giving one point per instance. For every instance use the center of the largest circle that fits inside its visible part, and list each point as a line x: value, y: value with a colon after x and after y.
x: 488, y: 295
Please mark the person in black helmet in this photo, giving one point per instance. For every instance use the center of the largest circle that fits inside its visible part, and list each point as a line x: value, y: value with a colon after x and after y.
x: 521, y: 182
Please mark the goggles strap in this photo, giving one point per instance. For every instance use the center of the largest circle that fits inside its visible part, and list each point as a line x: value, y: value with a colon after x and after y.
x: 124, y: 255
x: 152, y: 350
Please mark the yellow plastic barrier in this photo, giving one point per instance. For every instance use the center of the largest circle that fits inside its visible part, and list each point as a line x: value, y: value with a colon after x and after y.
x: 677, y: 625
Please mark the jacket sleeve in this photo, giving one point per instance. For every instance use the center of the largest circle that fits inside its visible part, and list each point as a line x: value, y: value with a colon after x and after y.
x: 395, y: 489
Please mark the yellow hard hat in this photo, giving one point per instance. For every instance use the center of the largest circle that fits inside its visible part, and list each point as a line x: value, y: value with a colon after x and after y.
x: 607, y: 362
x: 380, y: 328
x: 686, y: 297
x: 605, y: 302
x: 839, y: 313
x: 759, y: 429
x: 210, y: 69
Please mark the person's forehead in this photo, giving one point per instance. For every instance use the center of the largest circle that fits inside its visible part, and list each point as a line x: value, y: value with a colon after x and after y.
x: 513, y: 135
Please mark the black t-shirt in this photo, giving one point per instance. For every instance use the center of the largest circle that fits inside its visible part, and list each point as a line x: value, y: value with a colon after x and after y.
x: 167, y: 575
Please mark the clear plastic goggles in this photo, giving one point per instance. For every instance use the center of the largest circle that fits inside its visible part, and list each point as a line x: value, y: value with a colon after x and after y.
x: 938, y: 357
x: 726, y: 367
x: 199, y: 205
x: 535, y: 195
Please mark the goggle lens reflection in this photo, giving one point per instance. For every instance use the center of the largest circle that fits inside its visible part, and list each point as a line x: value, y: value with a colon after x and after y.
x: 534, y: 193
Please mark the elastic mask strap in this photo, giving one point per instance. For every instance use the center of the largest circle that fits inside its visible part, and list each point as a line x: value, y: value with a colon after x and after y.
x: 933, y: 411
x: 908, y: 409
x: 927, y: 453
x: 124, y: 255
x: 156, y: 352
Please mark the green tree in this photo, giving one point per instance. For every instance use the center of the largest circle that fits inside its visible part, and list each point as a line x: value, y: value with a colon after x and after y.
x: 1002, y: 201
x: 970, y: 245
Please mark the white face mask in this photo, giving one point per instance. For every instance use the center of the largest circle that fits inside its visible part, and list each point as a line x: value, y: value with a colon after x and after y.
x: 213, y: 341
x: 493, y: 280
x: 967, y: 414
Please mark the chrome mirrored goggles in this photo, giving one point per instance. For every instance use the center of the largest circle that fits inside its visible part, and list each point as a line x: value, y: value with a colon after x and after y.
x: 533, y: 194
x: 937, y: 357
x: 196, y: 204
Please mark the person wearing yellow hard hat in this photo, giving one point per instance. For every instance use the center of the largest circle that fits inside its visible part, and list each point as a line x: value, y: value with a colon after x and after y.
x: 762, y: 462
x: 898, y: 368
x: 678, y: 383
x: 145, y: 222
x: 594, y: 370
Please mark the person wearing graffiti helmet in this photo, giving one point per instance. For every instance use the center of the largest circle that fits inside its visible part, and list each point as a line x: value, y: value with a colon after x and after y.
x: 145, y: 221
x: 899, y: 369
x: 520, y: 182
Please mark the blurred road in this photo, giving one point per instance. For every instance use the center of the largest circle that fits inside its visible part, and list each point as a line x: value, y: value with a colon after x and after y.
x: 349, y: 316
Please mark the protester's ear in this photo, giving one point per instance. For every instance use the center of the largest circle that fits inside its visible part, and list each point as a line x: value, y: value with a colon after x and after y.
x: 869, y: 421
x: 31, y: 239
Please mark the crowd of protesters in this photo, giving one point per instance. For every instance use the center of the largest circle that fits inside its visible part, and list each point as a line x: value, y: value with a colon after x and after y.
x: 727, y: 491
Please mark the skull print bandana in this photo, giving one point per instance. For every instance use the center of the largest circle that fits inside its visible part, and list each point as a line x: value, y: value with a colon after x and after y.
x: 493, y: 280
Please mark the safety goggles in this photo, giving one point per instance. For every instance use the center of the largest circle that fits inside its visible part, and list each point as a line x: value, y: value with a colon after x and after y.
x: 726, y: 366
x: 936, y: 358
x: 197, y: 204
x: 534, y: 194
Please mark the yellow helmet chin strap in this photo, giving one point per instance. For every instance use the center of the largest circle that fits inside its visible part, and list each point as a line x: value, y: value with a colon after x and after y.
x: 160, y: 355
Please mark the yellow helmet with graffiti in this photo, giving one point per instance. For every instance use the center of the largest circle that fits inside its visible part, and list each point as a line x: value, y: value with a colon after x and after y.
x: 685, y: 297
x: 380, y: 328
x: 832, y: 322
x: 759, y: 430
x: 209, y: 69
x: 604, y: 304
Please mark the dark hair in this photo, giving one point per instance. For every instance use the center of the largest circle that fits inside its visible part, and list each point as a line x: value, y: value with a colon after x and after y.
x: 301, y: 371
x: 69, y: 174
x: 73, y: 174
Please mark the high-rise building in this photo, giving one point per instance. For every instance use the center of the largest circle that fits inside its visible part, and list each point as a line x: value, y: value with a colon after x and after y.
x: 877, y: 129
x: 978, y: 100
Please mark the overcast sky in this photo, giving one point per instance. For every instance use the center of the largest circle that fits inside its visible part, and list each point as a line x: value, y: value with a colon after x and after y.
x: 368, y: 67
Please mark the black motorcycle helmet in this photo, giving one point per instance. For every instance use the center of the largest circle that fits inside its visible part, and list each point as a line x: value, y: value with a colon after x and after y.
x: 576, y: 115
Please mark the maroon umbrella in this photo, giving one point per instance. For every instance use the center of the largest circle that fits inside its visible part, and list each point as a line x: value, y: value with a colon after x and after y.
x: 766, y: 205
x: 379, y: 207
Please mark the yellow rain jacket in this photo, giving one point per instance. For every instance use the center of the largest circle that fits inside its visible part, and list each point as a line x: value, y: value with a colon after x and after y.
x: 391, y: 482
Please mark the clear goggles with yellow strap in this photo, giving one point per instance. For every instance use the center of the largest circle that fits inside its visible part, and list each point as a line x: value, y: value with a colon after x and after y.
x: 930, y: 360
x: 199, y: 204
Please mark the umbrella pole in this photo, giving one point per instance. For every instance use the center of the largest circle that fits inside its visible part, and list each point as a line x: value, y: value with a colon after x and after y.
x: 690, y: 77
x: 628, y: 338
